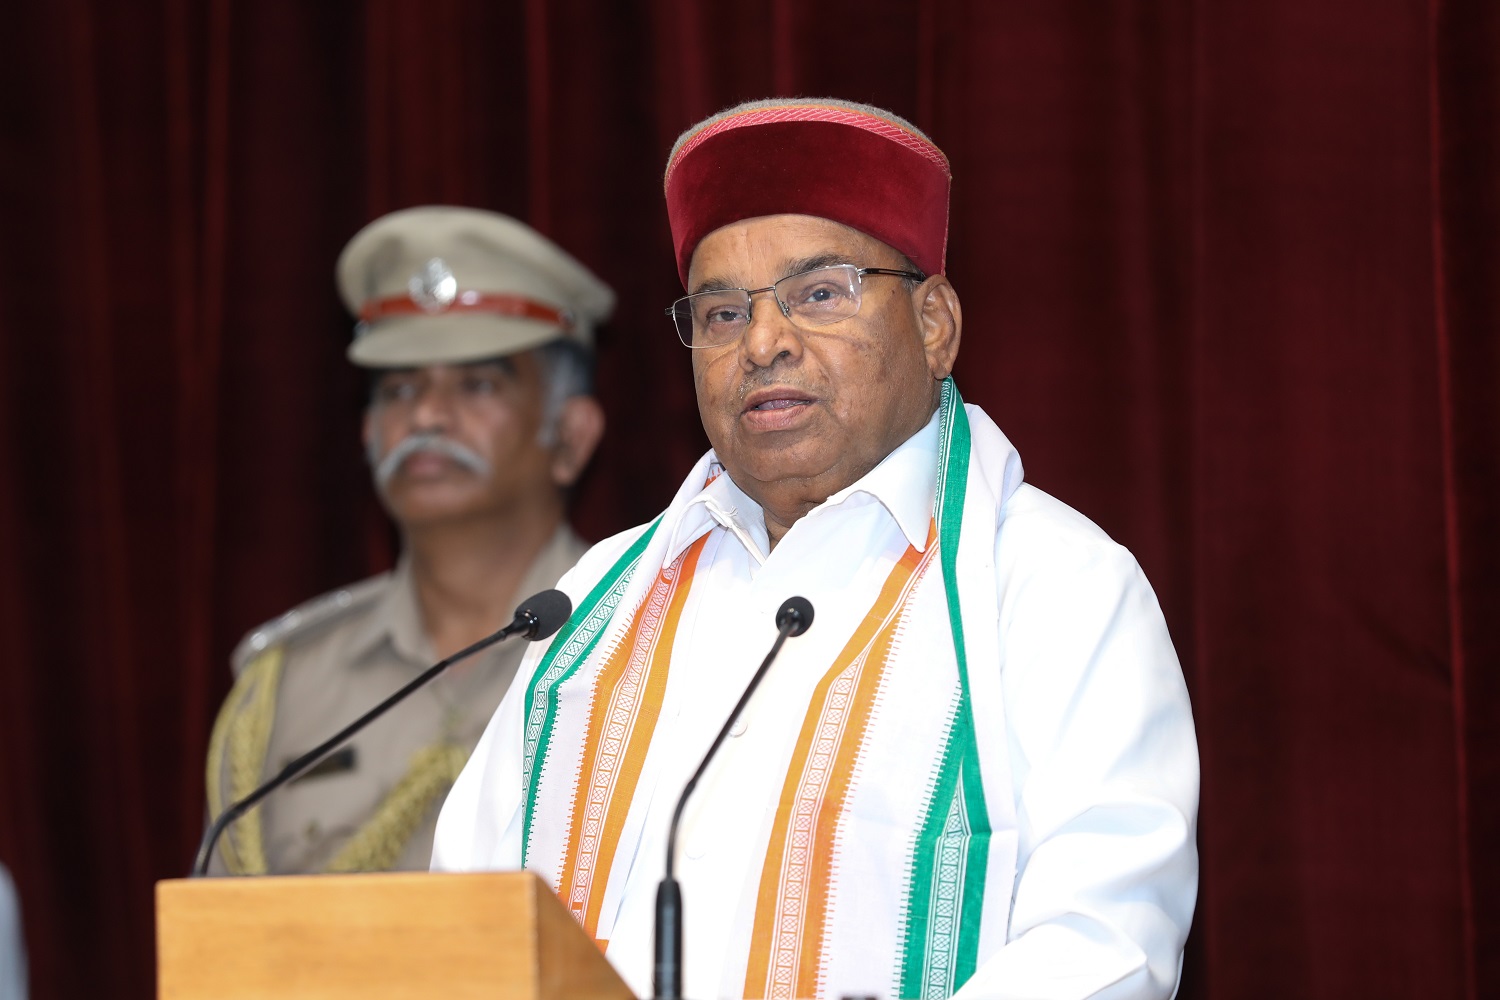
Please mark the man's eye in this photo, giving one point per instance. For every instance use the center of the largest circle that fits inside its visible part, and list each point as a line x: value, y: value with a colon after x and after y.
x: 720, y: 313
x: 396, y: 391
x: 481, y: 385
x: 821, y: 294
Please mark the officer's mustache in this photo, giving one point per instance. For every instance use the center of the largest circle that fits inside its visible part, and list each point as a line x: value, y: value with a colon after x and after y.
x: 432, y: 443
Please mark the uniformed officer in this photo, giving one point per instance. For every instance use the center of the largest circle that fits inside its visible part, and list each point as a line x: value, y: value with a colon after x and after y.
x: 478, y: 334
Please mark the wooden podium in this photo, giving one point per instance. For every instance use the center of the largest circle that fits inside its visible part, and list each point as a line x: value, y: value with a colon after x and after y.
x: 371, y: 937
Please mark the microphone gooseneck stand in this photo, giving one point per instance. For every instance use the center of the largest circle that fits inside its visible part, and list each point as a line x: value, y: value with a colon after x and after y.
x: 793, y: 618
x: 537, y: 618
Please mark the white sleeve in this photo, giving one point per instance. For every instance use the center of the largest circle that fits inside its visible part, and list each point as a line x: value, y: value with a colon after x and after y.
x: 1104, y: 763
x: 479, y: 828
x: 12, y: 948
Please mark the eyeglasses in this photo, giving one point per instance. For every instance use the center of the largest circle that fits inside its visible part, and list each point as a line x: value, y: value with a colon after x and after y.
x: 810, y: 299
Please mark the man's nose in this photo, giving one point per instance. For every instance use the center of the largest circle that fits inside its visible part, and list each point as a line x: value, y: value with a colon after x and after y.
x: 434, y: 409
x: 769, y: 333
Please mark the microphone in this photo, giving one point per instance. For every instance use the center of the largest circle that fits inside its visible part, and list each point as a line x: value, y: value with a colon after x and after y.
x: 793, y: 618
x: 537, y: 618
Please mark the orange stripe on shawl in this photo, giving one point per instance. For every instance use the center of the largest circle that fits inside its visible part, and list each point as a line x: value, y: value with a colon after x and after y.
x: 627, y: 701
x: 787, y: 941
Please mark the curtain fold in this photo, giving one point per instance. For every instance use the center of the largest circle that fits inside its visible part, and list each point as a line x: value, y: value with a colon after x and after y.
x: 1465, y: 94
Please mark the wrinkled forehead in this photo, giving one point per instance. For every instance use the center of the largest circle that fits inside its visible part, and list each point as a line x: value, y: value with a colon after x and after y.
x: 758, y: 251
x: 518, y: 365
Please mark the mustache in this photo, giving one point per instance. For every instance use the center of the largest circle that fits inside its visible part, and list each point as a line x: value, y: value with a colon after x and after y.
x: 761, y: 378
x: 430, y: 443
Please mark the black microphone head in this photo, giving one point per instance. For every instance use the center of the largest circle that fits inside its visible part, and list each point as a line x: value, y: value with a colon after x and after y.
x: 796, y: 612
x: 547, y: 611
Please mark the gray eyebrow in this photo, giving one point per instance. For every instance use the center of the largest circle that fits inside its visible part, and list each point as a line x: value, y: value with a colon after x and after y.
x: 825, y: 259
x: 811, y: 263
x: 714, y: 285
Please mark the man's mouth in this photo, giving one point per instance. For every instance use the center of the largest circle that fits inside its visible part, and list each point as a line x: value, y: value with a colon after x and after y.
x: 422, y: 460
x: 768, y: 400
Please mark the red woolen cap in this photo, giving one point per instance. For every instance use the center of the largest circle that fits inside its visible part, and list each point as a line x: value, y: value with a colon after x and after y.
x: 857, y: 165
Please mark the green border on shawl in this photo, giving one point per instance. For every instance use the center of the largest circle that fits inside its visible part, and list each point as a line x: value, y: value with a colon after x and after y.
x: 573, y: 645
x: 951, y: 854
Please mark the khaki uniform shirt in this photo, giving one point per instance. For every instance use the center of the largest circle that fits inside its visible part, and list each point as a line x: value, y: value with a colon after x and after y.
x: 317, y: 669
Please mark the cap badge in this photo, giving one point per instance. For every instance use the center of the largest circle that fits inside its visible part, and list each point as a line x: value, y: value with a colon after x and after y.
x: 433, y: 287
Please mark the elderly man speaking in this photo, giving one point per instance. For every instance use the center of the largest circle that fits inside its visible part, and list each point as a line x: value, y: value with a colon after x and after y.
x: 976, y: 774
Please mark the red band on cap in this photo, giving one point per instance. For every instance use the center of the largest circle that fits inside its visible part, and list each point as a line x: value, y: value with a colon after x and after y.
x: 853, y: 168
x: 467, y: 302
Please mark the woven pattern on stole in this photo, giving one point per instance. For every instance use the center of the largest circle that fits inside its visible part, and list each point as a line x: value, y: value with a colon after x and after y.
x: 789, y: 937
x: 626, y: 702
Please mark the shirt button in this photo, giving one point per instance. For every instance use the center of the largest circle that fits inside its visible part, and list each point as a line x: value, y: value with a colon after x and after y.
x: 739, y: 727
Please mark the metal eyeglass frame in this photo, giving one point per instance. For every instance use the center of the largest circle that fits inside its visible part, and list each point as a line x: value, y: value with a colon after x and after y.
x: 750, y: 293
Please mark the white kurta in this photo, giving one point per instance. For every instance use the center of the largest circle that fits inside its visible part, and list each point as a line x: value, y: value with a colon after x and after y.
x: 1096, y: 723
x: 12, y: 948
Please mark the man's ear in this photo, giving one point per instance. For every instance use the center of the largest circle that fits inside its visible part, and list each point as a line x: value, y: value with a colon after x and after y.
x: 580, y: 425
x: 942, y: 322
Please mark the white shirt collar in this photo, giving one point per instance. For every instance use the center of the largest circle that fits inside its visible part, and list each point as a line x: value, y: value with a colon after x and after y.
x: 903, y: 483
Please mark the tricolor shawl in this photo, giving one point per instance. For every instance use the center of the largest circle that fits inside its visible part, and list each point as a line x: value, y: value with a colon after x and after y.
x: 893, y: 793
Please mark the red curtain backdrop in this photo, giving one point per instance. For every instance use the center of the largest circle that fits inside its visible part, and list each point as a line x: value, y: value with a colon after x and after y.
x: 1231, y: 277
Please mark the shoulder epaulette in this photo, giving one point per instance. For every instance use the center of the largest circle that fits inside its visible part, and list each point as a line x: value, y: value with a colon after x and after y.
x: 307, y: 615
